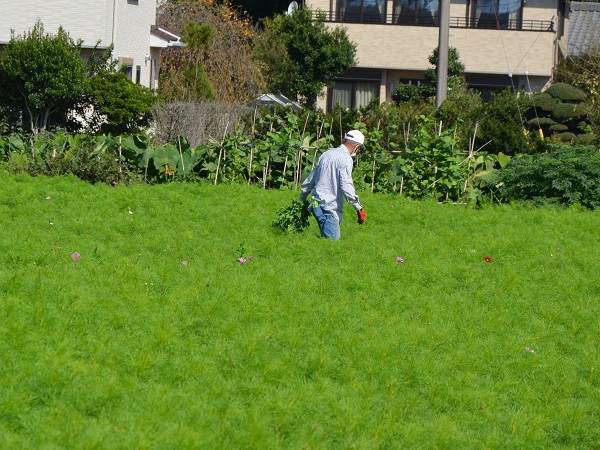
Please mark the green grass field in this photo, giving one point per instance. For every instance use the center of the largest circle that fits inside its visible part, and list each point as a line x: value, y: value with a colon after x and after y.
x: 157, y: 337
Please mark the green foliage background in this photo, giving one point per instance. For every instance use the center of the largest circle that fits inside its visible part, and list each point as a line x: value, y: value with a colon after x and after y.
x: 42, y: 74
x: 301, y: 56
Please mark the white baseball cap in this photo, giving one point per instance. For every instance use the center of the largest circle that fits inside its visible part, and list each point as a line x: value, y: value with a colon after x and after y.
x: 356, y: 136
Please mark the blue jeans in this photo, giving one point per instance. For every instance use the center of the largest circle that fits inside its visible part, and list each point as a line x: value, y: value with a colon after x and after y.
x: 328, y: 224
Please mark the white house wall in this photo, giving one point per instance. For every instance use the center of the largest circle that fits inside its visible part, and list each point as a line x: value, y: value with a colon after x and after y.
x: 124, y: 23
x: 86, y: 20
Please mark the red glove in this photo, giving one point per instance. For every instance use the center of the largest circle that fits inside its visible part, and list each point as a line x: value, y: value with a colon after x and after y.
x: 362, y: 216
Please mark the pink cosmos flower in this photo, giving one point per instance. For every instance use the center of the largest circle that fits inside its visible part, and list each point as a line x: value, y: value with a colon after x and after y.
x: 48, y: 198
x: 184, y: 262
x: 488, y: 259
x: 250, y: 258
x: 242, y: 260
x: 115, y: 183
x: 399, y: 259
x: 75, y: 256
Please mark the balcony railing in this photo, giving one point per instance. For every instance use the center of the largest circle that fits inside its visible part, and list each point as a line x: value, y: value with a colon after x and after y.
x: 433, y: 21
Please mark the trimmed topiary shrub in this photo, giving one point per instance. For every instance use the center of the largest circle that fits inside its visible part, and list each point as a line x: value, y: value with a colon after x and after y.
x: 566, y: 175
x: 567, y: 112
x: 544, y: 122
x: 584, y: 139
x: 544, y: 102
x: 566, y: 92
x: 559, y: 127
x: 564, y: 137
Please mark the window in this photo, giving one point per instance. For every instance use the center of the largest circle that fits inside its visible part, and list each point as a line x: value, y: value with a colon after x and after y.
x: 138, y: 74
x: 353, y: 94
x: 363, y: 11
x: 417, y: 12
x: 127, y: 69
x: 502, y: 14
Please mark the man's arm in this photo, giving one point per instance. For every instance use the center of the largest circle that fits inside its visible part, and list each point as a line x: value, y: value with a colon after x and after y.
x: 307, y: 185
x: 347, y: 186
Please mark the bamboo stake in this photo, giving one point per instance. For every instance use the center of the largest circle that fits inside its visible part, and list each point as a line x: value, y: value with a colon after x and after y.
x: 266, y: 172
x: 180, y: 154
x: 220, y: 152
x: 252, y: 146
x: 120, y: 158
x: 299, y: 166
x: 319, y: 131
x: 285, y: 168
x: 373, y: 177
x: 374, y: 162
x: 250, y: 165
x: 305, y: 124
x: 406, y: 129
x: 471, y: 147
x: 315, y: 157
x: 401, y: 184
x: 218, y: 165
x: 146, y: 168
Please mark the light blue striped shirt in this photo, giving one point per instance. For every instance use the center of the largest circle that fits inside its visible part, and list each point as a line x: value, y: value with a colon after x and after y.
x: 331, y: 182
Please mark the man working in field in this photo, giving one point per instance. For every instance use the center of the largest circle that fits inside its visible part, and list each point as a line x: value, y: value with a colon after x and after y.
x: 331, y: 182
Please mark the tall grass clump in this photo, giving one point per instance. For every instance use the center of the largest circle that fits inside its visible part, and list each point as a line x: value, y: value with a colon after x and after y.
x: 176, y: 316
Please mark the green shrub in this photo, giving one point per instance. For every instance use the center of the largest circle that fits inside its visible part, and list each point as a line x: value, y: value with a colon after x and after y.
x: 83, y: 163
x: 566, y: 92
x: 543, y: 102
x: 567, y: 112
x: 407, y: 93
x: 566, y: 175
x: 558, y: 127
x: 584, y: 139
x: 55, y: 154
x: 564, y: 137
x: 501, y: 124
x: 544, y: 122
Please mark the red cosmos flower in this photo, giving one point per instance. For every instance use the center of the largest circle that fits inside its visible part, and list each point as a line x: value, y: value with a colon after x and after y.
x: 488, y: 259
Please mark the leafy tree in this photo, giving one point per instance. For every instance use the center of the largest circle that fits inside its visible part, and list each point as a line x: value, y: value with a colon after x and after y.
x: 44, y: 72
x: 501, y: 124
x: 219, y: 40
x: 119, y: 105
x: 455, y: 68
x: 199, y: 40
x: 583, y: 71
x: 110, y: 102
x: 460, y: 111
x: 301, y: 56
x: 426, y: 91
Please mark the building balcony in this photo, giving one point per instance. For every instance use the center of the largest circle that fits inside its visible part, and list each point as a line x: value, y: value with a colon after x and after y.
x: 431, y: 20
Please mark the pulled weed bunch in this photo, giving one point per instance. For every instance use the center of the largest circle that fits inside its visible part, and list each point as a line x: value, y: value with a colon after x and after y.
x: 293, y: 218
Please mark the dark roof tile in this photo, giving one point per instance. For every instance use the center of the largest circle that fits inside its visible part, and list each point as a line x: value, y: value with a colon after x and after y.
x: 584, y: 27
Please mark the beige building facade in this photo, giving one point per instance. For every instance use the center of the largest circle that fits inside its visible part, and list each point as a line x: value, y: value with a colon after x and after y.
x: 502, y: 43
x: 128, y: 25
